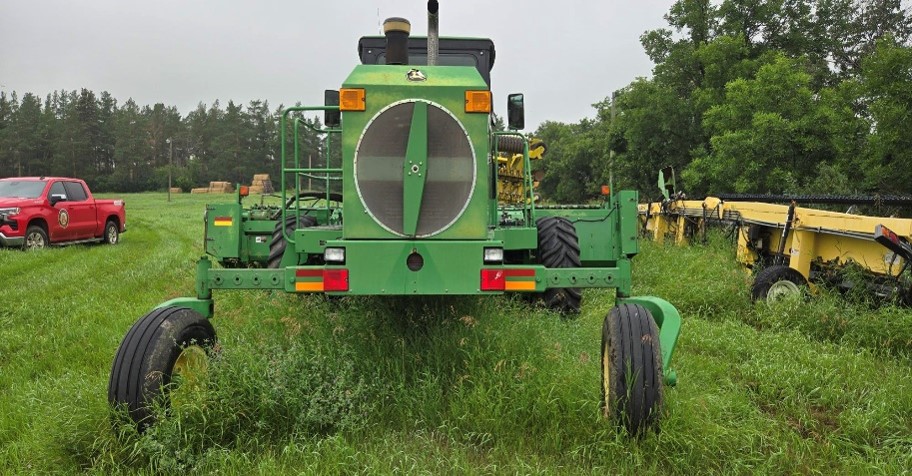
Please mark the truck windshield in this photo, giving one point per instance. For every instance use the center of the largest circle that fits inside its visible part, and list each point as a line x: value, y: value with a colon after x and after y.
x: 21, y: 188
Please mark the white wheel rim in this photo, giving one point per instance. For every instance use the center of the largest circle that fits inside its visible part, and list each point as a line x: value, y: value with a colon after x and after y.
x: 189, y: 370
x: 782, y: 289
x: 34, y: 241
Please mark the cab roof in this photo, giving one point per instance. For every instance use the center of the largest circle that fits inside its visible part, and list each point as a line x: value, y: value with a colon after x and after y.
x: 372, y: 50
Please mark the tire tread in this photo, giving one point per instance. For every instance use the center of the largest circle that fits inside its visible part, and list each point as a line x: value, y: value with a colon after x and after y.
x: 558, y: 247
x: 157, y: 335
x: 636, y: 382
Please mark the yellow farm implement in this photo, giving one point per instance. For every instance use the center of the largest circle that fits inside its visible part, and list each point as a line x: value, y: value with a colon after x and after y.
x: 792, y: 247
x: 511, y: 187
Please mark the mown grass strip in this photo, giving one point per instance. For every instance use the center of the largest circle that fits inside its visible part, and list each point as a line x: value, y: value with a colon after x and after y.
x: 465, y: 385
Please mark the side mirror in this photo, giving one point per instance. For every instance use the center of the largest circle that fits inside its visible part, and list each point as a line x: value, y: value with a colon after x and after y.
x: 55, y: 198
x: 331, y: 119
x: 516, y: 112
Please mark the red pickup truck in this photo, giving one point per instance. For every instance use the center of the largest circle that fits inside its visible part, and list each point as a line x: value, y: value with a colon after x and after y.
x: 38, y: 211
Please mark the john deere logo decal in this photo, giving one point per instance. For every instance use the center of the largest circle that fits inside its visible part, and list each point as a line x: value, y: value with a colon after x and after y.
x: 63, y: 218
x: 415, y: 75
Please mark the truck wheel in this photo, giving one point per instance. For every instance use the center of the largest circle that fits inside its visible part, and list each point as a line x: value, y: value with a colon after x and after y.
x: 632, y: 385
x: 777, y: 282
x: 35, y: 238
x: 165, y: 349
x: 278, y: 244
x: 558, y: 247
x: 111, y: 233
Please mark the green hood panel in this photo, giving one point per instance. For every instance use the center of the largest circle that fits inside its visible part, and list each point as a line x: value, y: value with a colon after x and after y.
x: 383, y: 143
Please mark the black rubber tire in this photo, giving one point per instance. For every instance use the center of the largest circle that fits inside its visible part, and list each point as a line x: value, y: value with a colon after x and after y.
x: 37, y: 235
x: 558, y: 247
x: 767, y: 277
x: 632, y: 377
x: 111, y: 233
x: 145, y: 360
x: 278, y: 244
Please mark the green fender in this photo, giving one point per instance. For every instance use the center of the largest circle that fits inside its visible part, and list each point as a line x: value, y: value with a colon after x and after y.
x: 668, y: 320
x: 202, y: 306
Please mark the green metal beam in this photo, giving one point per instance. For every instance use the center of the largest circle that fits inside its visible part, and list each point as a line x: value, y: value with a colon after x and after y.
x: 415, y: 169
x: 545, y: 278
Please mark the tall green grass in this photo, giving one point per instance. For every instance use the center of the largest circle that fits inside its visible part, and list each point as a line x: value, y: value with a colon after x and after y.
x: 463, y: 385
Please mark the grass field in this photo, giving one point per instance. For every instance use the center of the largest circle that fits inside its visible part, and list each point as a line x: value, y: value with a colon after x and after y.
x: 464, y: 385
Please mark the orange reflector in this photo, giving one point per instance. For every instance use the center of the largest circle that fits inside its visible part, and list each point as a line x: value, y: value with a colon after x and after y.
x: 478, y: 101
x: 309, y: 286
x: 519, y: 286
x: 606, y: 190
x: 351, y: 100
x: 244, y: 190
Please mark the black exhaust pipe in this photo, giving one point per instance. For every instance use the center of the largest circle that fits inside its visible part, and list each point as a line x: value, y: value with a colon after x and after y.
x: 433, y: 38
x: 397, y: 34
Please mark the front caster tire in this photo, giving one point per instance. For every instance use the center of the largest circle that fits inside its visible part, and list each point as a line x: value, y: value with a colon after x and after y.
x: 632, y: 377
x: 558, y: 247
x: 164, y: 349
x: 777, y: 282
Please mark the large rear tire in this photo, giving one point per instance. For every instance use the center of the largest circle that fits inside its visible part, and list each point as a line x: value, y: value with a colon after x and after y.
x: 165, y: 348
x: 278, y: 244
x: 632, y: 377
x: 558, y: 247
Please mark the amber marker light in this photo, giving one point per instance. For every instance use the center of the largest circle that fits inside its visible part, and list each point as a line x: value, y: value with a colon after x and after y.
x: 606, y: 190
x: 244, y: 190
x: 351, y: 100
x: 478, y: 101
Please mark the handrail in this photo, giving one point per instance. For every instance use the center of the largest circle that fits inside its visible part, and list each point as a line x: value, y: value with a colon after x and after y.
x: 297, y: 169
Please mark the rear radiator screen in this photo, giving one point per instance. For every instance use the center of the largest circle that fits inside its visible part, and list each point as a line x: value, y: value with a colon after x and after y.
x: 379, y: 169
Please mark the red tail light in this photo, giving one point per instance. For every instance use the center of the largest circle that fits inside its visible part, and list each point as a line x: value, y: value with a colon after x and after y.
x: 493, y: 280
x: 335, y: 280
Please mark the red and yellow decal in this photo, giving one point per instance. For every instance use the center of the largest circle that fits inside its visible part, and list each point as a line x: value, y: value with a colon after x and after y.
x: 309, y: 280
x: 222, y: 221
x: 519, y: 280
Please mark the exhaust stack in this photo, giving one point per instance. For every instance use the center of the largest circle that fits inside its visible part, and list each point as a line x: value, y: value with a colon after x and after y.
x: 397, y: 34
x: 433, y: 38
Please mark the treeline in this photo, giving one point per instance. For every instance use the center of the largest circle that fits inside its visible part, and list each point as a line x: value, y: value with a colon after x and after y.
x: 747, y: 96
x: 130, y: 148
x: 778, y: 96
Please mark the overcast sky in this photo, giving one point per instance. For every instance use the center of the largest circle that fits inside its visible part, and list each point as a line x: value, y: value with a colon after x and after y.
x: 564, y: 55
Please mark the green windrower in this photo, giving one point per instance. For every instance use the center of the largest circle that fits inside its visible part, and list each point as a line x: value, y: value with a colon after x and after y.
x: 412, y: 209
